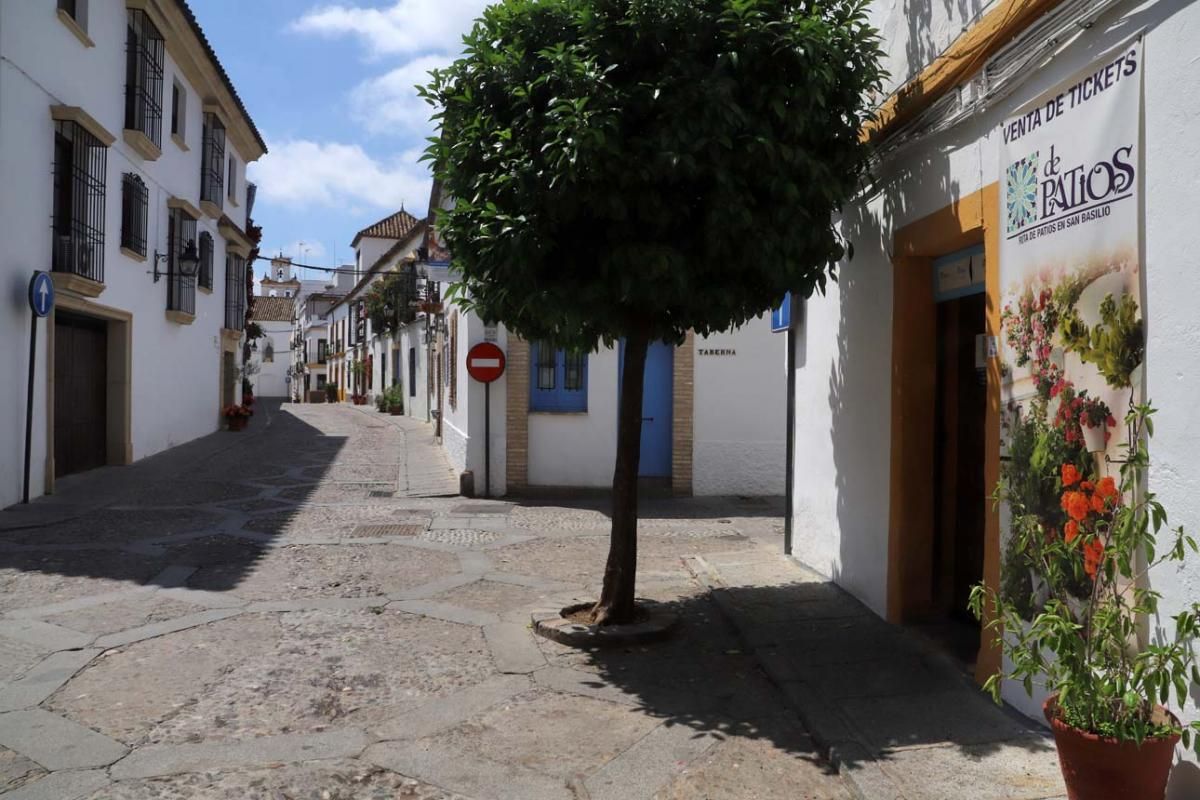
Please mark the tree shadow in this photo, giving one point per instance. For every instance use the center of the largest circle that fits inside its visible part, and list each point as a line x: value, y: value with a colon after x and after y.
x: 852, y: 681
x: 184, y: 507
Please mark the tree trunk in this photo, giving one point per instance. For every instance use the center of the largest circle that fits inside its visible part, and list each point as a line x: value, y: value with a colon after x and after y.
x: 620, y: 573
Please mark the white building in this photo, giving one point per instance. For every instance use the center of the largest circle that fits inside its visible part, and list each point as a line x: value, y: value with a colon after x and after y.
x: 271, y: 354
x: 902, y: 366
x: 112, y: 166
x: 713, y: 415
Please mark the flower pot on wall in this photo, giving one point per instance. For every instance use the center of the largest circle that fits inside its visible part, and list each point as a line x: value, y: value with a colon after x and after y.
x: 1093, y: 437
x: 1096, y: 768
x: 237, y: 423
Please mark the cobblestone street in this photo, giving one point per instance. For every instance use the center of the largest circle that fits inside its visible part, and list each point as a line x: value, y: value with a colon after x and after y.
x: 305, y: 610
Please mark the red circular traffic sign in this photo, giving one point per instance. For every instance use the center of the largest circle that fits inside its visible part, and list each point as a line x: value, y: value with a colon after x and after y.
x: 485, y: 362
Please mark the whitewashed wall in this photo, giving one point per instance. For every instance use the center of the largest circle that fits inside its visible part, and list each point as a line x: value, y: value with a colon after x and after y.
x: 740, y: 412
x: 176, y: 368
x: 843, y: 382
x: 271, y: 380
x: 578, y: 449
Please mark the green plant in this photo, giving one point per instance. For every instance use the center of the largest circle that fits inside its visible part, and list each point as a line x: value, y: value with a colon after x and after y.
x: 1116, y: 345
x: 393, y: 398
x: 331, y: 392
x: 1089, y: 653
x: 636, y: 169
x: 390, y: 300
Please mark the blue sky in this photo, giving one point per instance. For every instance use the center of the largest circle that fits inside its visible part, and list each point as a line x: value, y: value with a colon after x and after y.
x: 330, y: 87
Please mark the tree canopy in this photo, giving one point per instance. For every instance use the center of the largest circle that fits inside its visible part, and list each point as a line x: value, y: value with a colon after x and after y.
x: 646, y: 167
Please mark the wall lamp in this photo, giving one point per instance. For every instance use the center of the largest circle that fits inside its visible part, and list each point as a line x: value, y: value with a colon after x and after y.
x: 189, y: 261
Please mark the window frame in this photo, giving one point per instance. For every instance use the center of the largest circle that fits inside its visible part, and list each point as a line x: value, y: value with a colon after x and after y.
x: 212, y: 161
x: 235, y: 290
x: 178, y: 110
x: 181, y: 290
x: 135, y: 213
x: 231, y: 181
x: 557, y: 398
x: 207, y: 249
x: 78, y: 207
x: 145, y: 73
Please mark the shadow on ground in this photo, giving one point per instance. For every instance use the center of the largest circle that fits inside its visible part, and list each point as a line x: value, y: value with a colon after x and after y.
x: 183, y: 507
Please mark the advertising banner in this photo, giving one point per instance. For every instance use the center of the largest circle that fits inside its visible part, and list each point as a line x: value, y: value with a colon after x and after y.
x: 1072, y: 340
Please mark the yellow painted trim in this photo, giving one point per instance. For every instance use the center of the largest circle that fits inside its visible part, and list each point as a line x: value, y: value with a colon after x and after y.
x: 180, y: 317
x: 230, y: 230
x: 75, y: 28
x: 965, y: 56
x: 179, y: 142
x: 185, y: 206
x: 971, y: 220
x: 142, y: 145
x: 69, y: 283
x: 132, y: 254
x: 211, y: 209
x: 84, y: 120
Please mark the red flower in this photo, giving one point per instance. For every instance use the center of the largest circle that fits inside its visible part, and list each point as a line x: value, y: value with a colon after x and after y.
x: 1070, y: 475
x: 1107, y: 488
x: 1077, y: 505
x: 1093, y: 554
x: 1070, y: 531
x: 1098, y: 504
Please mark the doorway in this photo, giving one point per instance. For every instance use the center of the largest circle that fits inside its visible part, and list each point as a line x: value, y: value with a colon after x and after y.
x: 80, y: 394
x: 657, y: 409
x: 960, y: 434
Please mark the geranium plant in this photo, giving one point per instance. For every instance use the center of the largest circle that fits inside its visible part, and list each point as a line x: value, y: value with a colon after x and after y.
x: 235, y: 410
x: 1107, y: 679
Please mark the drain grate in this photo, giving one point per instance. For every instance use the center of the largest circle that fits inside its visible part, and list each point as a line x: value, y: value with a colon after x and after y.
x: 380, y: 493
x: 480, y: 509
x: 379, y: 531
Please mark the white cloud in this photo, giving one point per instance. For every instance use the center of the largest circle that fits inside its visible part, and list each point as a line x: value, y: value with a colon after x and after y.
x: 406, y: 27
x: 389, y: 103
x: 299, y: 173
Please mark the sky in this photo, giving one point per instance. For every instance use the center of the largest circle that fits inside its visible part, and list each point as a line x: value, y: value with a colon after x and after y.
x: 330, y: 87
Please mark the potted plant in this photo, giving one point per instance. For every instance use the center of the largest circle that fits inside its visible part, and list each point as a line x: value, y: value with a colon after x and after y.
x: 236, y: 416
x: 381, y: 402
x: 1095, y: 419
x: 1108, y: 684
x: 394, y: 398
x: 331, y: 392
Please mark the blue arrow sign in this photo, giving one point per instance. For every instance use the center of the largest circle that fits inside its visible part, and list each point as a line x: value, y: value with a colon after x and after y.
x: 41, y: 293
x: 781, y: 317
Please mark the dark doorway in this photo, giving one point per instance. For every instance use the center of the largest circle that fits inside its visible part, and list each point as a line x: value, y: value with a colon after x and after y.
x: 960, y: 496
x: 80, y: 393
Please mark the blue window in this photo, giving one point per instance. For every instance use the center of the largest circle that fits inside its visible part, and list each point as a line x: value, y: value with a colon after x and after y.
x: 557, y: 380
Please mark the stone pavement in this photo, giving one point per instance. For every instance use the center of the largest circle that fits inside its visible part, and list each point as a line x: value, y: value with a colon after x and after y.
x: 277, y: 614
x: 896, y: 716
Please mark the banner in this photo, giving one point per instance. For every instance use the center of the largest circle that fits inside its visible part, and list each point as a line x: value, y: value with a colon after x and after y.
x: 1072, y: 339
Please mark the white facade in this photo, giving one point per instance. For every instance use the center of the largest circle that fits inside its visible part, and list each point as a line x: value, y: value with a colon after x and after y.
x: 844, y: 351
x: 164, y: 375
x: 272, y: 355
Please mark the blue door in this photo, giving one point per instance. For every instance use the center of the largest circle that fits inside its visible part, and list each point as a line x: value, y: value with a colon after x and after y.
x: 657, y: 405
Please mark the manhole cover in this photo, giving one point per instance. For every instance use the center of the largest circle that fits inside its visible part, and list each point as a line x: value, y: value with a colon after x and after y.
x: 477, y: 509
x: 379, y: 531
x: 460, y: 537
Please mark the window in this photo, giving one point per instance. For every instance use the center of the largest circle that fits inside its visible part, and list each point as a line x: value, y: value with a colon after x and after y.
x: 412, y: 372
x: 322, y: 351
x: 178, y: 110
x: 231, y: 183
x: 269, y: 352
x: 76, y: 10
x: 320, y: 381
x: 144, y: 49
x: 205, y: 274
x: 453, y: 365
x: 181, y: 290
x: 80, y: 164
x: 212, y: 161
x: 558, y: 381
x: 235, y: 292
x: 135, y: 202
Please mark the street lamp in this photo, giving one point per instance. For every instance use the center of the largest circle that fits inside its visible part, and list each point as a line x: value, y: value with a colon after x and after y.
x: 188, y: 261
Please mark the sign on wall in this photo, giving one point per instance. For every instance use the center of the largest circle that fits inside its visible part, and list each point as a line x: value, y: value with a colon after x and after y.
x: 1071, y: 304
x: 781, y: 317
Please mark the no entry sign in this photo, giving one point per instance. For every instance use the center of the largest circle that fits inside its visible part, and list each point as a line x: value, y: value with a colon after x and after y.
x: 485, y: 362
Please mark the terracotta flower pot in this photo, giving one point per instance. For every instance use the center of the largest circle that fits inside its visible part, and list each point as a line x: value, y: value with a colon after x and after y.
x: 396, y: 411
x: 236, y: 423
x: 1098, y: 768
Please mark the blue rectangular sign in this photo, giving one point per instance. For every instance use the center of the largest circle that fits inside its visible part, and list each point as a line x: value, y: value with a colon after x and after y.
x: 781, y: 317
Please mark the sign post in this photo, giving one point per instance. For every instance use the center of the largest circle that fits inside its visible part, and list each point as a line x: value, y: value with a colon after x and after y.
x: 485, y: 363
x: 41, y: 302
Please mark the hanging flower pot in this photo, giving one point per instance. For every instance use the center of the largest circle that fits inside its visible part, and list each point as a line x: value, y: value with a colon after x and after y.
x: 1099, y: 768
x: 1093, y: 437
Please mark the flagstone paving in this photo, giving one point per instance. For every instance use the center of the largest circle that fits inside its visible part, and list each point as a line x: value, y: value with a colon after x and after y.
x: 306, y: 611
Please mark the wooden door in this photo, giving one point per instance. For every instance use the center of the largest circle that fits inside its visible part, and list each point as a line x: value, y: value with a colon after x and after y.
x: 80, y: 393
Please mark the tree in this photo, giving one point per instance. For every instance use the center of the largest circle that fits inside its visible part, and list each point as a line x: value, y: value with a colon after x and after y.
x: 635, y: 169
